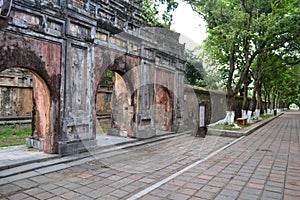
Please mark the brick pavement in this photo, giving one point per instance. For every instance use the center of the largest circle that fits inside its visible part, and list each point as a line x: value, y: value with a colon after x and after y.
x: 263, y: 165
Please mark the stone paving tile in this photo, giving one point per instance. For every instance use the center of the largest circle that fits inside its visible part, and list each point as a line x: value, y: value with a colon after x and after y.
x: 42, y: 179
x: 224, y: 197
x: 9, y: 189
x: 205, y: 195
x: 44, y: 195
x: 82, y: 197
x: 195, y: 198
x: 235, y: 187
x: 229, y: 193
x: 30, y: 198
x: 246, y: 196
x: 48, y: 187
x: 187, y: 191
x: 150, y: 197
x: 72, y: 186
x: 25, y: 183
x: 121, y: 194
x: 160, y: 193
x: 84, y: 190
x: 18, y: 196
x: 271, y: 194
x: 58, y: 191
x: 56, y: 198
x: 178, y: 196
x: 70, y: 195
x: 292, y: 192
x: 94, y: 194
x: 34, y: 191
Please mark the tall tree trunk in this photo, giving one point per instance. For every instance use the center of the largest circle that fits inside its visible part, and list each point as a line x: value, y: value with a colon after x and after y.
x: 270, y: 106
x: 245, y: 97
x: 230, y: 101
x: 265, y: 104
x: 247, y: 82
x: 230, y: 114
x: 251, y: 106
x: 258, y: 85
x: 259, y: 104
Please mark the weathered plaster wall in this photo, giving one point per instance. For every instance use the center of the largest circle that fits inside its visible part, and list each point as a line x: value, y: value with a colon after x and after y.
x: 41, y: 109
x: 70, y: 45
x: 122, y: 111
x: 43, y: 59
x: 215, y: 105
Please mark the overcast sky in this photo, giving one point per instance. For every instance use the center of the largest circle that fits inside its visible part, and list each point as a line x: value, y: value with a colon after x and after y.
x: 190, y: 25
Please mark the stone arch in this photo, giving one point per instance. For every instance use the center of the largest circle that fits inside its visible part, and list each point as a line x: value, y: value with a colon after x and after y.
x: 124, y: 76
x: 114, y: 98
x: 163, y: 108
x: 41, y: 122
x: 34, y: 55
x: 122, y: 110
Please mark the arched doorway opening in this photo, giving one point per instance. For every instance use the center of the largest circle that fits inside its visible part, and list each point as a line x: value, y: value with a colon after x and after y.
x: 162, y: 109
x: 113, y: 106
x: 25, y: 95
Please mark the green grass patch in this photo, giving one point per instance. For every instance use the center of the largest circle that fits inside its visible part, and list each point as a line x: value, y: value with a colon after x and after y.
x: 266, y: 116
x: 229, y: 127
x: 11, y: 135
x: 103, y: 126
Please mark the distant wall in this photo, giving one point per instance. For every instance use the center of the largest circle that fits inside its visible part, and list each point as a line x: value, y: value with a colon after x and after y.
x: 15, y: 93
x: 215, y: 102
x: 15, y: 101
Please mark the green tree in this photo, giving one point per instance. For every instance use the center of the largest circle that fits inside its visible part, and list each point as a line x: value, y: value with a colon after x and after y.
x: 281, y: 79
x: 240, y: 30
x: 158, y: 12
x: 194, y: 73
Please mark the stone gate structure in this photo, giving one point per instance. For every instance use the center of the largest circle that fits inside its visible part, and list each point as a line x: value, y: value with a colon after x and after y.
x: 70, y: 46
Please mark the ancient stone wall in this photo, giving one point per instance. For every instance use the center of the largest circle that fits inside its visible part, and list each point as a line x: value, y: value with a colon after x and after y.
x: 69, y: 46
x: 215, y: 103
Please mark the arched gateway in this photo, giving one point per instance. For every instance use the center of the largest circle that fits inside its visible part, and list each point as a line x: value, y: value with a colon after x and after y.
x: 70, y: 52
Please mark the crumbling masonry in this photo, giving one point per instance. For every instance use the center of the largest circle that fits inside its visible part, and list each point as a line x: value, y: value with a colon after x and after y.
x: 70, y: 46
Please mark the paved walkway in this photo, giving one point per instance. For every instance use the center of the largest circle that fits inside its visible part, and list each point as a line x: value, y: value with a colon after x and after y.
x: 20, y: 155
x: 263, y: 165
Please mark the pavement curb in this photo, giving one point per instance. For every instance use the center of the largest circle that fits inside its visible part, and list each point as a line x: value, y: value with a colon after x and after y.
x: 240, y: 133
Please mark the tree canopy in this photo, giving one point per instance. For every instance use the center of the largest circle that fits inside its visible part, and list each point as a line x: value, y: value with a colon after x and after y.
x: 240, y: 31
x: 256, y: 43
x: 158, y: 12
x: 194, y: 74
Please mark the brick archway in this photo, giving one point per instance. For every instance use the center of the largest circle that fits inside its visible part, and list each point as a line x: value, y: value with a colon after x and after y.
x: 33, y: 55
